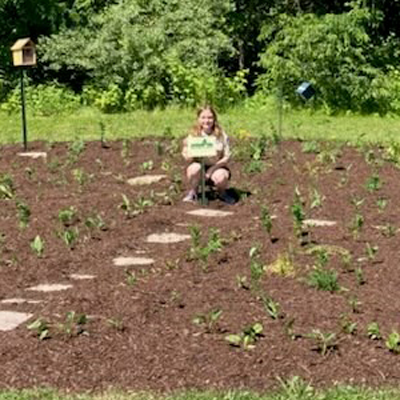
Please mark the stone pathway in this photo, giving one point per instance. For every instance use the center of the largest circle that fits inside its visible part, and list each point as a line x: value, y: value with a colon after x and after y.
x: 318, y: 222
x: 9, y: 320
x: 54, y: 287
x: 146, y: 180
x: 204, y: 212
x: 129, y: 261
x: 167, y: 238
x: 33, y: 154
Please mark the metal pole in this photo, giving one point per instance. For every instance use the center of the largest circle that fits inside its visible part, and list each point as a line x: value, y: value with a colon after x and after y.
x: 203, y: 182
x: 24, y: 129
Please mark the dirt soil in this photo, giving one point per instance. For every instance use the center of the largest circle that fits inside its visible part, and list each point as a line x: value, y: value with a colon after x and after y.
x: 164, y: 327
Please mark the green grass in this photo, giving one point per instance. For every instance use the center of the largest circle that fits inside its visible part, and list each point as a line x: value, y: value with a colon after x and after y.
x: 175, y: 121
x: 295, y: 389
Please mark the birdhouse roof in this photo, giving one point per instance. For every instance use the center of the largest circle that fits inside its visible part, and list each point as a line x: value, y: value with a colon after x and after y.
x: 21, y: 43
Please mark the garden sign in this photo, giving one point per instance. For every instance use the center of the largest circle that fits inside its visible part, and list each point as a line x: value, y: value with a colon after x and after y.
x: 199, y: 147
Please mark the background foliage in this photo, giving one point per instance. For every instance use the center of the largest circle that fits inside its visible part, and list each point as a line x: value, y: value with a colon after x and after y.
x: 121, y: 55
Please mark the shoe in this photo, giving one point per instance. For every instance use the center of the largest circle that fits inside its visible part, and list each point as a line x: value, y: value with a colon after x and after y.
x: 191, y: 197
x: 227, y: 198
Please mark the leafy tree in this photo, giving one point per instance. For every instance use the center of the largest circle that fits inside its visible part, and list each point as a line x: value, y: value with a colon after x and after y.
x: 335, y: 52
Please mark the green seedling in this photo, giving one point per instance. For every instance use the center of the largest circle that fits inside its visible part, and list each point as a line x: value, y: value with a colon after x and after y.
x: 127, y: 206
x: 382, y: 204
x: 24, y: 213
x: 371, y: 251
x: 247, y: 338
x: 373, y: 183
x: 29, y: 172
x: 116, y: 323
x: 256, y: 267
x: 37, y: 245
x: 241, y: 282
x: 348, y: 326
x: 70, y: 237
x: 271, y: 307
x: 316, y: 199
x: 393, y: 342
x: 131, y: 278
x: 74, y: 324
x: 323, y: 279
x: 41, y: 327
x: 388, y: 230
x: 208, y: 320
x: 81, y: 177
x: 67, y: 216
x: 357, y: 224
x: 324, y: 342
x: 7, y: 190
x: 297, y: 214
x: 360, y: 276
x: 266, y: 219
x: 356, y: 202
x: 96, y: 222
x: 147, y: 165
x: 213, y: 245
x: 355, y: 304
x: 373, y: 331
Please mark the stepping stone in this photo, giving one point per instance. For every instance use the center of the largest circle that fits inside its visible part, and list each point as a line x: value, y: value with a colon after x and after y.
x: 202, y: 212
x: 80, y: 277
x: 20, y: 301
x: 128, y: 261
x: 318, y: 222
x: 167, y: 238
x: 9, y: 320
x: 146, y: 180
x: 50, y: 287
x: 34, y: 154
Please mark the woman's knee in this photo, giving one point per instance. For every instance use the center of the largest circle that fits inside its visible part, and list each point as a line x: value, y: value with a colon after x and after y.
x: 220, y: 177
x: 193, y: 170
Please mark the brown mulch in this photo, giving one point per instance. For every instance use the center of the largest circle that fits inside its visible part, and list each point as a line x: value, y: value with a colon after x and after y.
x: 140, y: 332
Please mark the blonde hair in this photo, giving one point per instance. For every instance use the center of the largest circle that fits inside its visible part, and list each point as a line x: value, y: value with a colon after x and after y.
x: 216, y: 129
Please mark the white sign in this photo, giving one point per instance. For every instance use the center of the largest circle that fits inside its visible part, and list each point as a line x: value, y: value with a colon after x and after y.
x: 201, y: 146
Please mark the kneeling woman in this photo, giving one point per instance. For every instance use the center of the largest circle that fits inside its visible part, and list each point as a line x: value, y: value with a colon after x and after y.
x: 217, y: 171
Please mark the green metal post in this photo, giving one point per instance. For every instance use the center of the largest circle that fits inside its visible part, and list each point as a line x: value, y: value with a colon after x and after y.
x: 24, y: 129
x: 203, y: 183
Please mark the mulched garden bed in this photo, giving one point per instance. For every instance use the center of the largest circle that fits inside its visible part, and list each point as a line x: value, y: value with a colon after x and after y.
x: 164, y: 327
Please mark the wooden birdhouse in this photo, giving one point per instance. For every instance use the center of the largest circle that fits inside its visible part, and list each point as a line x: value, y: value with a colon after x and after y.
x: 24, y: 53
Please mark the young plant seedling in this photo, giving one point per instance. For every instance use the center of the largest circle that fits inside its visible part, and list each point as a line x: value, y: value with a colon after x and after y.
x: 75, y: 149
x: 316, y: 199
x: 41, y: 327
x: 393, y: 342
x: 208, y: 320
x: 354, y: 304
x: 7, y: 189
x: 131, y: 278
x: 348, y: 326
x: 266, y: 220
x: 271, y: 307
x: 256, y: 267
x: 324, y: 342
x: 298, y: 214
x: 247, y: 338
x: 147, y: 165
x: 37, y: 245
x: 382, y: 204
x: 74, y: 324
x: 70, y: 237
x: 24, y: 213
x: 373, y: 183
x: 373, y: 331
x: 67, y: 216
x: 323, y: 279
x: 371, y: 251
x: 360, y: 276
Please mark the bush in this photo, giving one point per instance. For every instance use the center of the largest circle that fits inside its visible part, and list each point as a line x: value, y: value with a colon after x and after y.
x: 336, y: 54
x: 43, y: 100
